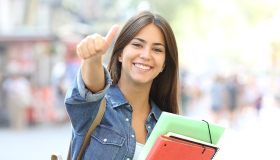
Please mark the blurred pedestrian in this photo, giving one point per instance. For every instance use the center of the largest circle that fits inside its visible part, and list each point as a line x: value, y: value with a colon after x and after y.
x: 217, y: 95
x: 60, y: 89
x: 18, y: 92
x: 185, y: 91
x: 252, y: 96
x: 232, y: 92
x: 3, y: 105
x: 258, y: 104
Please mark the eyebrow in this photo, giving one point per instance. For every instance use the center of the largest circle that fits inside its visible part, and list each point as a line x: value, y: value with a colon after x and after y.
x: 142, y: 40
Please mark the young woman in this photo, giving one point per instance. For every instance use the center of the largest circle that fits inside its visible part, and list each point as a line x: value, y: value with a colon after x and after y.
x: 140, y: 83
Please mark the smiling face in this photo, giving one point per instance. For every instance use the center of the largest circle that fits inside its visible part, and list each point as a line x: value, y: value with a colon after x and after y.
x: 144, y: 56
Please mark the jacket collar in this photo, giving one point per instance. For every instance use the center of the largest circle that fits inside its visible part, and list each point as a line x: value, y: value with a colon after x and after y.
x: 155, y: 110
x: 117, y: 99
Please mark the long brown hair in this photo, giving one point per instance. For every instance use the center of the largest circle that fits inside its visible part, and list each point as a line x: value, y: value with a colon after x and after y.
x: 164, y: 90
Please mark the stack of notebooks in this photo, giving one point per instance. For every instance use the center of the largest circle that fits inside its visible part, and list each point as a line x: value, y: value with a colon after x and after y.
x: 178, y: 137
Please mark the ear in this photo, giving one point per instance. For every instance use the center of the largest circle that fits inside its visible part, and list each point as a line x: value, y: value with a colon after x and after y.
x: 163, y: 67
x: 120, y: 57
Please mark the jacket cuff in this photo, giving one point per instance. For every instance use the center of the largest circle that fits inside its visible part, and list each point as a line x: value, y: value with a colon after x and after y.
x: 87, y: 94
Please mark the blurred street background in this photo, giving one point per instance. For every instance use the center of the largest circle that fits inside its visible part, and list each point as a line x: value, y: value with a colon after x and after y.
x: 229, y: 52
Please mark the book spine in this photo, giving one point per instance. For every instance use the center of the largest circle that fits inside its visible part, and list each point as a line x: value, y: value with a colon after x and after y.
x: 154, y: 148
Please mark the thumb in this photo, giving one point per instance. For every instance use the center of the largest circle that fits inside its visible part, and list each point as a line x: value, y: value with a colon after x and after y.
x: 111, y: 34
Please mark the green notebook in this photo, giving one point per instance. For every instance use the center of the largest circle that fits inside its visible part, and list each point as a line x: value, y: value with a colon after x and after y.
x: 189, y: 127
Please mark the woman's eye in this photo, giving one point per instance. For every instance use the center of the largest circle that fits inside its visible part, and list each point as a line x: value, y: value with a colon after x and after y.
x: 157, y: 50
x: 136, y: 45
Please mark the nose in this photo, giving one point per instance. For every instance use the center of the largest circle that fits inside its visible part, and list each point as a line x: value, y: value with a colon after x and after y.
x: 146, y: 54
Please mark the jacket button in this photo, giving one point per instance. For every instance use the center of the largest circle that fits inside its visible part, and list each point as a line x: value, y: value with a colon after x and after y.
x: 105, y: 140
x: 127, y: 119
x: 127, y: 159
x: 132, y: 136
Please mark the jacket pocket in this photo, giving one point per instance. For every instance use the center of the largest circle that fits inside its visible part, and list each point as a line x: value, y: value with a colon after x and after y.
x: 105, y: 144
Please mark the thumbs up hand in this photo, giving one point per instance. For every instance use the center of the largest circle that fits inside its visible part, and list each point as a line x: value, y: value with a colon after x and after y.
x: 93, y: 46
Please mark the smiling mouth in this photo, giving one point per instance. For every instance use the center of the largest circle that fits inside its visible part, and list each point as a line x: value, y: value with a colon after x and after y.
x: 140, y: 66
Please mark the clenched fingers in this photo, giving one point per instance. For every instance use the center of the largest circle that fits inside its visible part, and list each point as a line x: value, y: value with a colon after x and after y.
x: 85, y: 49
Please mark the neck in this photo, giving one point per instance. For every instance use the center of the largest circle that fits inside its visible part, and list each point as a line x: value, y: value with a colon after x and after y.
x: 136, y: 94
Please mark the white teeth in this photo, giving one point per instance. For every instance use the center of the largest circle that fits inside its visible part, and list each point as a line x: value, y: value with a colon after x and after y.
x: 142, y: 67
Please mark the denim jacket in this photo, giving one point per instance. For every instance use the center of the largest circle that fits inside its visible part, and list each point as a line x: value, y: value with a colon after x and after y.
x: 114, y: 137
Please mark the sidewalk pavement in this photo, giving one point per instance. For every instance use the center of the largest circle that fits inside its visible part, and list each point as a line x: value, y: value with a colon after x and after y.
x: 37, y: 143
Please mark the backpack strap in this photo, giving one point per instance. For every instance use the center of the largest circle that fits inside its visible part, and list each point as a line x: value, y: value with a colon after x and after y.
x: 90, y: 130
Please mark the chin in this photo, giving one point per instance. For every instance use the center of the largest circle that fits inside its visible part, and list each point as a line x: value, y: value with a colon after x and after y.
x: 142, y: 81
